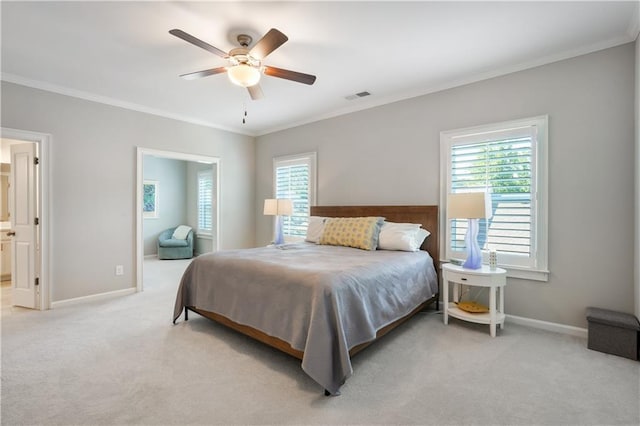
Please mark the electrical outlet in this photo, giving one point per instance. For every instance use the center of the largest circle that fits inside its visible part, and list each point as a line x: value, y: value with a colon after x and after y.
x: 119, y: 270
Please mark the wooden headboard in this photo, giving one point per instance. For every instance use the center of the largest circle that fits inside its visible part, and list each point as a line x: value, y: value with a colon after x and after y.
x: 426, y: 215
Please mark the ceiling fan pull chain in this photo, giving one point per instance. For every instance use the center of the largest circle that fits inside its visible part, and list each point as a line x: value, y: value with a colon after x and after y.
x: 245, y: 113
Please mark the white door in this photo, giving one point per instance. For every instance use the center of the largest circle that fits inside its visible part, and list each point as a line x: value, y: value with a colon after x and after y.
x: 23, y: 204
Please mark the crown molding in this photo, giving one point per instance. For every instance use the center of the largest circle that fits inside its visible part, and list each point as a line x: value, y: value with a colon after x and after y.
x: 498, y: 72
x: 66, y: 91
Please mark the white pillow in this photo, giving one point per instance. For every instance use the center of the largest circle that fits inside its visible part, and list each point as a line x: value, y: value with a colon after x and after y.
x: 315, y: 228
x: 401, y: 236
x: 181, y: 232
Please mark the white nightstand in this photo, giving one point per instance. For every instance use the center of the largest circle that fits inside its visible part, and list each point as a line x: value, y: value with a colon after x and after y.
x: 495, y: 279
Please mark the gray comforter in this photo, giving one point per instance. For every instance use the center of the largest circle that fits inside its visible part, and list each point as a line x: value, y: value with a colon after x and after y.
x: 322, y: 300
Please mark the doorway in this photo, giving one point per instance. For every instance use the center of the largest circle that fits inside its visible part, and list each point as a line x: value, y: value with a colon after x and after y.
x: 29, y: 258
x: 159, y: 172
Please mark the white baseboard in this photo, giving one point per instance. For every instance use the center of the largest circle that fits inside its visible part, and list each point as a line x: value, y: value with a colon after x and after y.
x: 93, y: 297
x: 529, y: 322
x: 549, y: 326
x: 149, y: 256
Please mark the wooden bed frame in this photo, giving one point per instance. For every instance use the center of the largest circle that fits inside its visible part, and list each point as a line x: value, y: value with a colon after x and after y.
x: 426, y: 215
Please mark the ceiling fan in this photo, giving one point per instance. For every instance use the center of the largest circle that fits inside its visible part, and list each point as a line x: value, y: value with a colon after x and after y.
x: 245, y: 64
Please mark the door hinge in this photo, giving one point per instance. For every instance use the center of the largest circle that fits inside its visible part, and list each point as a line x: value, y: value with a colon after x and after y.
x: 37, y: 281
x: 36, y: 161
x: 36, y: 221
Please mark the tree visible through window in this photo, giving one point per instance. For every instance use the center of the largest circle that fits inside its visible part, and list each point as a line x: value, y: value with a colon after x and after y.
x: 508, y: 160
x: 503, y: 168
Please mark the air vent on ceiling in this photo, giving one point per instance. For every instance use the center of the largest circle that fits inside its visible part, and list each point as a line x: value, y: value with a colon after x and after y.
x: 357, y: 95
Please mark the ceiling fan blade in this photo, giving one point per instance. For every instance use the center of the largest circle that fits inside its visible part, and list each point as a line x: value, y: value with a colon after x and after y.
x: 267, y: 44
x: 255, y: 92
x: 203, y: 73
x: 290, y: 75
x: 197, y: 42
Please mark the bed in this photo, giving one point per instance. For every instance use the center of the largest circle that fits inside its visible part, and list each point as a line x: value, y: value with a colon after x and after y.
x: 319, y: 303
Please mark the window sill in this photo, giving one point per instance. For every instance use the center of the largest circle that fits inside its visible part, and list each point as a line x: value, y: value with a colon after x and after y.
x: 520, y: 273
x: 204, y: 236
x: 526, y: 274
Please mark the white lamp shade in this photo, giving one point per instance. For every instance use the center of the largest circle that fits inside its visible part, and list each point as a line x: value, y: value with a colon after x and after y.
x: 469, y: 205
x: 243, y: 75
x: 278, y: 207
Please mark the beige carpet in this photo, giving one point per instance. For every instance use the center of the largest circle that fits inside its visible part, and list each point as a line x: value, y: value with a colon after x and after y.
x: 121, y: 362
x: 5, y: 294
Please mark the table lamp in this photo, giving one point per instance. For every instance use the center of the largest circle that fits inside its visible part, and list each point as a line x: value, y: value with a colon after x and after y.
x: 472, y: 206
x: 278, y: 208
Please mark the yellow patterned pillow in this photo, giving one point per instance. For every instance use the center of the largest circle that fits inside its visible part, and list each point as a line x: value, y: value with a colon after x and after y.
x: 358, y: 232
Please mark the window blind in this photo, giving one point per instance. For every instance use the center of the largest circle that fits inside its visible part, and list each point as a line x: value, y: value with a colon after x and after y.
x: 292, y: 179
x: 509, y: 160
x: 504, y: 168
x: 205, y: 201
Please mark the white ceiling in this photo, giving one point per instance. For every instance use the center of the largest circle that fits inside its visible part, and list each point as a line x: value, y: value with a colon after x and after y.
x: 121, y: 52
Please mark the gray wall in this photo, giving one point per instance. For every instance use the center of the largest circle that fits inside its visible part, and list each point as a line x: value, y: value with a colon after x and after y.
x: 93, y: 194
x: 171, y: 176
x: 637, y: 182
x: 390, y: 155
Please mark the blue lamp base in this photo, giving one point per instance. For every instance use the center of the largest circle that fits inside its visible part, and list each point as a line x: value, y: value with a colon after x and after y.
x: 279, y: 237
x: 474, y: 255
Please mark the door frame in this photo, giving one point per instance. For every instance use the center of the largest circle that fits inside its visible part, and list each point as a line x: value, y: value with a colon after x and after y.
x: 43, y: 261
x: 173, y: 155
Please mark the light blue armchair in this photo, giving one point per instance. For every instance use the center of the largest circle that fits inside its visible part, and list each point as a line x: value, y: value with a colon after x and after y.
x: 171, y: 248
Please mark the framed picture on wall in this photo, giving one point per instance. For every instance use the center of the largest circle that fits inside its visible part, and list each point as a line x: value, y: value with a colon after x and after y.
x: 150, y: 199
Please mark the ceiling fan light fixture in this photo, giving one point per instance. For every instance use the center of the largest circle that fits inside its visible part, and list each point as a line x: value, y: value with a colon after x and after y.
x: 245, y: 64
x: 244, y: 75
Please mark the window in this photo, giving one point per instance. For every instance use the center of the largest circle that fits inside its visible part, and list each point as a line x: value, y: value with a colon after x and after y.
x: 294, y: 178
x: 205, y: 201
x: 509, y: 161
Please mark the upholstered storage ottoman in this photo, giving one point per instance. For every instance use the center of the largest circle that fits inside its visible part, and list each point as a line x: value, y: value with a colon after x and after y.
x: 613, y: 332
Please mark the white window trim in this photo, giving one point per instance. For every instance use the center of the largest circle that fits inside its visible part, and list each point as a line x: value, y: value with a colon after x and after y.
x: 540, y: 271
x: 310, y: 157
